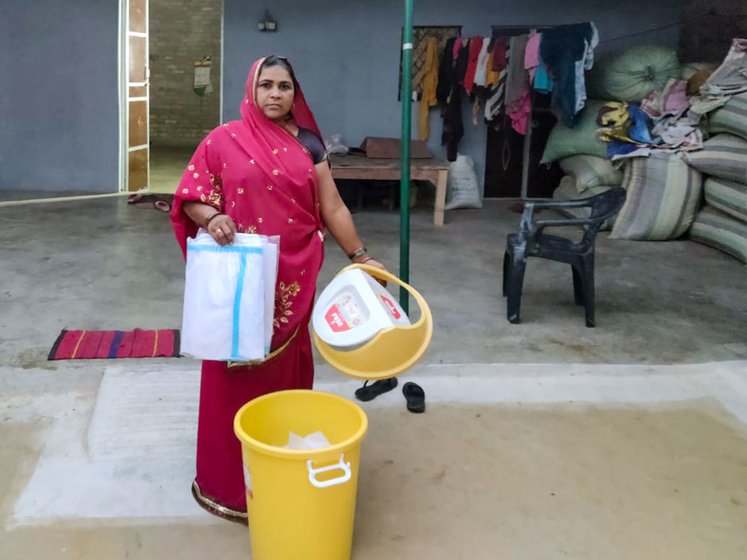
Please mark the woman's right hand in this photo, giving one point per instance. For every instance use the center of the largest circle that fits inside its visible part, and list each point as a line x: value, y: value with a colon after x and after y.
x: 222, y: 229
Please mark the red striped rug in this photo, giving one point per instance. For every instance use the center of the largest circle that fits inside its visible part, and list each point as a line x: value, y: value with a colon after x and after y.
x: 138, y: 343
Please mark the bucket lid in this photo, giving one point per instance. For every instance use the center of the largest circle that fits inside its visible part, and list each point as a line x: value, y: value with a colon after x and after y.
x: 392, y: 348
x: 353, y: 308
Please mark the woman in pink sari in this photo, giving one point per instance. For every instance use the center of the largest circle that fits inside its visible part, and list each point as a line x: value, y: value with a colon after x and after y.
x: 268, y: 174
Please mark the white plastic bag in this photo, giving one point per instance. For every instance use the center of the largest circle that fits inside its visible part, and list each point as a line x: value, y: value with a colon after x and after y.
x: 317, y: 440
x: 334, y: 145
x: 462, y: 187
x: 229, y: 294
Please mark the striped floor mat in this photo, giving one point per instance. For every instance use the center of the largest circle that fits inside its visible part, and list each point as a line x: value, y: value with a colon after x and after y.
x: 138, y: 343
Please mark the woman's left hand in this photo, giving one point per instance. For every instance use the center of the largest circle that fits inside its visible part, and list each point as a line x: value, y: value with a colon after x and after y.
x: 376, y: 264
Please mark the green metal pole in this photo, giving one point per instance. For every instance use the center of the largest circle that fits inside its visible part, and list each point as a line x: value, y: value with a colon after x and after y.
x: 404, y: 197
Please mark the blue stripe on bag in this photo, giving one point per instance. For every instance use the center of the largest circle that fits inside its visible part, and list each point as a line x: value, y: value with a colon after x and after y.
x: 243, y: 251
x: 226, y: 249
x: 237, y: 307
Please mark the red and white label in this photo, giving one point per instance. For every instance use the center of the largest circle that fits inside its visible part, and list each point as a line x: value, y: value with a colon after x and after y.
x: 393, y: 311
x: 335, y: 320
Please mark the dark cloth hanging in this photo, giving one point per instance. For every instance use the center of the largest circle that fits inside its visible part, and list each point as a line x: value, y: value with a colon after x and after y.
x: 453, y: 125
x: 560, y: 49
x: 500, y: 50
x: 460, y: 66
x: 450, y: 97
x: 445, y: 72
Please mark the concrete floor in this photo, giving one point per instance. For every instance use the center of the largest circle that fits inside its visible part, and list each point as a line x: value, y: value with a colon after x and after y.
x: 542, y: 440
x: 167, y: 164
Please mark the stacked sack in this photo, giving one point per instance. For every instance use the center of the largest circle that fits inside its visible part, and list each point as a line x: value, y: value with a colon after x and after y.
x: 583, y: 158
x: 722, y: 222
x: 627, y: 76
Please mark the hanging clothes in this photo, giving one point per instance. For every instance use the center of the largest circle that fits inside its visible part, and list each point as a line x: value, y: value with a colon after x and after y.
x: 494, y: 102
x: 500, y: 53
x: 496, y: 78
x: 461, y: 62
x: 531, y: 54
x: 430, y: 83
x: 449, y: 94
x: 481, y: 72
x: 585, y: 64
x: 561, y: 48
x: 520, y: 112
x: 475, y: 46
x: 542, y: 80
x: 518, y: 93
x: 517, y: 79
x: 456, y: 48
x: 446, y: 72
x: 453, y: 127
x: 492, y: 76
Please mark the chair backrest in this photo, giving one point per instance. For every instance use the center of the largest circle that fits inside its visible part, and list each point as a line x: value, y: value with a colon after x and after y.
x: 603, y: 207
x: 607, y: 204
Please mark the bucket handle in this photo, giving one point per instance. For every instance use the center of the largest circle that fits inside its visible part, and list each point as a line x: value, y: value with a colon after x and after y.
x: 347, y: 473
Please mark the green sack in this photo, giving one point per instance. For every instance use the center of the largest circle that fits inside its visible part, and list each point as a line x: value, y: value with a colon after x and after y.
x: 632, y: 74
x: 564, y: 142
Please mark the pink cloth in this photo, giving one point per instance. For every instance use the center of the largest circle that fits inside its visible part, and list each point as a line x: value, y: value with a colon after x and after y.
x: 672, y: 100
x: 457, y: 47
x: 531, y: 55
x: 675, y: 97
x: 257, y: 173
x: 519, y: 112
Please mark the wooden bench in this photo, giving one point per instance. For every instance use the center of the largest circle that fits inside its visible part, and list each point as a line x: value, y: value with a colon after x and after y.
x: 360, y: 167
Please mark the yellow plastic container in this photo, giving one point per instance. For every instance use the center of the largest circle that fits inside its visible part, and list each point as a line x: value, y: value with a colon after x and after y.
x: 301, y: 503
x: 392, y: 350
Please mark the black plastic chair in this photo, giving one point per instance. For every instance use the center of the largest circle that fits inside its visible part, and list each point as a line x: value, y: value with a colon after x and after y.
x: 532, y: 241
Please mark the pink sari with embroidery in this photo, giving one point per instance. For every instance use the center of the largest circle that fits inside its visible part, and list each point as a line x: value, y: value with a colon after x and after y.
x: 257, y: 173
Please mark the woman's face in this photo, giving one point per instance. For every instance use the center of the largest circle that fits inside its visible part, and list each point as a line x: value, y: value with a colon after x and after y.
x: 275, y: 92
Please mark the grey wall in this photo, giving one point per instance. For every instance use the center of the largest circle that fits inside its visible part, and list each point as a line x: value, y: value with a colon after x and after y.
x: 59, y: 123
x: 59, y: 104
x: 346, y: 54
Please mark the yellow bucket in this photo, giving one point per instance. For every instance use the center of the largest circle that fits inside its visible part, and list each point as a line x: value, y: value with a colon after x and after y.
x: 301, y: 503
x: 392, y: 350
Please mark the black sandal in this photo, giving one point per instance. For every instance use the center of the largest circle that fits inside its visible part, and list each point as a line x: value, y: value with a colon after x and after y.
x: 370, y: 392
x: 415, y: 397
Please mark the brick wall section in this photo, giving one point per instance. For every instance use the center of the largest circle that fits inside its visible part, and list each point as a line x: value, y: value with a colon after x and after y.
x: 182, y: 31
x: 707, y: 27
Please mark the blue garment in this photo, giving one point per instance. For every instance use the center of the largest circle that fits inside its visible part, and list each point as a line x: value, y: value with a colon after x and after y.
x: 618, y: 148
x: 542, y: 81
x: 560, y: 49
x: 639, y: 125
x: 583, y: 65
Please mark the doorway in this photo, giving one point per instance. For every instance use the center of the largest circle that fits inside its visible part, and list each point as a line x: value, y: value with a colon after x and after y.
x: 173, y: 61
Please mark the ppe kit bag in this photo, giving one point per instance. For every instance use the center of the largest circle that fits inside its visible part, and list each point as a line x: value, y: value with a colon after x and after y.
x: 229, y: 296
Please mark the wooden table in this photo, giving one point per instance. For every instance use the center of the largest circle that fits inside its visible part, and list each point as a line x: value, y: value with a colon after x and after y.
x: 360, y: 167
